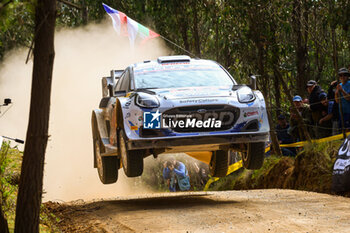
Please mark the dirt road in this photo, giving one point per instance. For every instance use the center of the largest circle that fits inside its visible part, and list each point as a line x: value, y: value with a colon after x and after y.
x: 230, y: 211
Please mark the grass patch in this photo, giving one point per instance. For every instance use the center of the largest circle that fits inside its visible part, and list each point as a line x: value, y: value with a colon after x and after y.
x: 10, y: 169
x: 310, y: 170
x: 313, y: 167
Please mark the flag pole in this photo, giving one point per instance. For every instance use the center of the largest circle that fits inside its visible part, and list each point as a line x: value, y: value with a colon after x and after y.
x: 178, y: 46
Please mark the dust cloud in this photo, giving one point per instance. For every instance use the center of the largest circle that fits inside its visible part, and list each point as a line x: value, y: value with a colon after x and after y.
x: 83, y: 56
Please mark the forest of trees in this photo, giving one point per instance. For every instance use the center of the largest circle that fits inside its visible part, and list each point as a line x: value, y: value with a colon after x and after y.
x: 285, y: 42
x: 296, y: 40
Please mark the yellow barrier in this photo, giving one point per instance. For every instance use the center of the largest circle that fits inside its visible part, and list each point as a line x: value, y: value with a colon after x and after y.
x: 301, y: 144
x: 234, y: 167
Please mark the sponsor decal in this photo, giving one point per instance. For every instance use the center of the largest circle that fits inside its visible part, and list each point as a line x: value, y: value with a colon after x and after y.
x: 192, y: 123
x: 140, y: 118
x: 198, y: 101
x: 134, y: 127
x: 250, y: 104
x: 127, y: 115
x: 344, y: 149
x: 151, y: 120
x: 261, y: 119
x: 341, y: 164
x: 249, y: 114
x: 155, y: 120
x: 127, y: 104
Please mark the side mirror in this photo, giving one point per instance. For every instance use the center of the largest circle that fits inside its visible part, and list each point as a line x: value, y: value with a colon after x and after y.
x: 7, y: 102
x: 252, y: 84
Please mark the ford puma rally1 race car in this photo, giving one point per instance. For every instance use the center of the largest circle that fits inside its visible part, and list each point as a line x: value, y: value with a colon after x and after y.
x: 176, y: 104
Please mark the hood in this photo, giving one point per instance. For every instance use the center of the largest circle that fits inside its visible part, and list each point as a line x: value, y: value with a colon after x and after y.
x: 193, y: 92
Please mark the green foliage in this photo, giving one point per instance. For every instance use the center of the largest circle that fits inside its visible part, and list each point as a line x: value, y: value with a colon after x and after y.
x: 313, y: 167
x: 10, y: 168
x: 260, y: 37
x: 16, y: 25
x: 291, y: 39
x: 311, y: 170
x: 8, y: 164
x: 7, y: 189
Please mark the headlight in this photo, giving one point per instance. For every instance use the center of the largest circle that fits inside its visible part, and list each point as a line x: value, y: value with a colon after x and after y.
x: 146, y: 101
x: 245, y: 95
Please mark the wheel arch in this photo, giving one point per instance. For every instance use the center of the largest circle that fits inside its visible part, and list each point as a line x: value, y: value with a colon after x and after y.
x: 119, y: 114
x: 99, y: 130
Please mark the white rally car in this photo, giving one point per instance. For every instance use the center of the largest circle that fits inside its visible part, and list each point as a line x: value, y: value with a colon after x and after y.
x: 176, y: 104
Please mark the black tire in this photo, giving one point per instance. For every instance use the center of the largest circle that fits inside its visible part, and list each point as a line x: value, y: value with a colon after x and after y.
x: 107, y: 167
x: 255, y: 155
x: 219, y: 163
x: 132, y: 160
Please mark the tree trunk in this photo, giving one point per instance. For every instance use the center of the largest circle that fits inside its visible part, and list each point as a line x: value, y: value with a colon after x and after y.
x: 217, y: 33
x: 299, y: 16
x: 195, y: 29
x: 3, y: 222
x: 274, y: 140
x: 31, y: 181
x: 84, y: 12
x: 182, y: 22
x: 275, y: 60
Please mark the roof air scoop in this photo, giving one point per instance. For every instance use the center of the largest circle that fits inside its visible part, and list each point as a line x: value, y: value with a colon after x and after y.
x: 168, y: 59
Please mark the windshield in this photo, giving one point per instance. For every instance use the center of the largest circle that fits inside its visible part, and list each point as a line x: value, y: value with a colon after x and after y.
x: 176, y: 76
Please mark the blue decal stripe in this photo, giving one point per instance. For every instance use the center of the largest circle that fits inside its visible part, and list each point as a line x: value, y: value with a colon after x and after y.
x: 220, y: 132
x: 186, y: 134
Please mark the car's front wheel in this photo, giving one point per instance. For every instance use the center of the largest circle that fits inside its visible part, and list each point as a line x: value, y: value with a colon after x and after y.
x: 253, y: 158
x: 107, y: 167
x: 219, y: 163
x: 132, y: 160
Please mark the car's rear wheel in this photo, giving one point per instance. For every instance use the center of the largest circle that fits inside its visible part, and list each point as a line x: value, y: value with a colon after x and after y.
x: 132, y: 160
x: 219, y: 163
x: 107, y: 167
x: 253, y: 158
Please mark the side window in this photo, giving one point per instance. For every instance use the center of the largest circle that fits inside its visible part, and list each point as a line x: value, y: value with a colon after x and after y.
x: 117, y: 87
x: 125, y: 82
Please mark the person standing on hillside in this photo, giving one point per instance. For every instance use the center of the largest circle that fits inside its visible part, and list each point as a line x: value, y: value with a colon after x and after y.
x: 305, y: 112
x: 326, y: 121
x: 284, y: 137
x: 342, y: 94
x: 331, y: 97
x: 316, y: 107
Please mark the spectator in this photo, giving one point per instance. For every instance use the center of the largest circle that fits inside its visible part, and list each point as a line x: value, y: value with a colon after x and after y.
x: 316, y: 107
x: 325, y: 122
x: 284, y: 137
x: 331, y: 97
x: 342, y: 95
x: 169, y: 177
x: 305, y: 112
x: 331, y: 90
x: 176, y: 175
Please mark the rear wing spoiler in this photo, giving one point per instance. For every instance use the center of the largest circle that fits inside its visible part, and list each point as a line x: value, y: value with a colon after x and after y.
x: 108, y: 83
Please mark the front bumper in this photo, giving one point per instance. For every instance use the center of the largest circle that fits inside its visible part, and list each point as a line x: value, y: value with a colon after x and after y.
x: 166, y: 143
